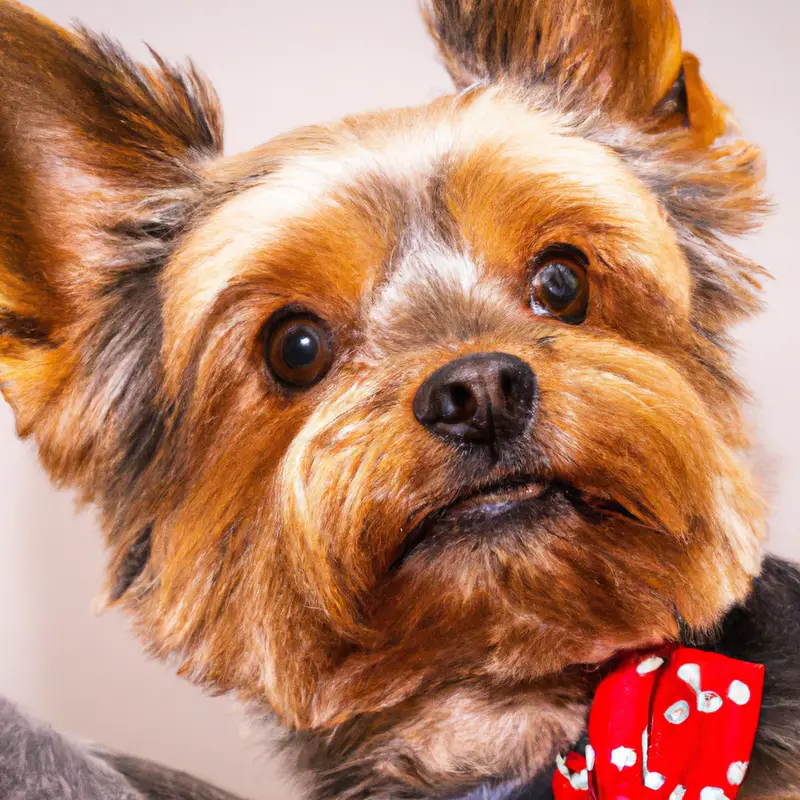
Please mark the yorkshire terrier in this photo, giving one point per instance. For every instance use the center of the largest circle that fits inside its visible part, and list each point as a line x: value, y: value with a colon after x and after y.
x: 401, y: 427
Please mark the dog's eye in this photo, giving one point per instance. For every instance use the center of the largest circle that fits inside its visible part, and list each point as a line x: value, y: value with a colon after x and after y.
x: 298, y: 350
x: 561, y: 284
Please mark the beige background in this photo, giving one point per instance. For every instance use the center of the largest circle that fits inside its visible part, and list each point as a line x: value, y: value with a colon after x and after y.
x: 277, y: 65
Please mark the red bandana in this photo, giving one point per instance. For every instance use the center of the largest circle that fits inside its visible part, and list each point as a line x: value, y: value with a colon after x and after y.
x: 674, y: 724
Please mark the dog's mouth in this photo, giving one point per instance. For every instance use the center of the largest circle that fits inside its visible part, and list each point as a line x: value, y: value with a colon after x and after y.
x: 491, y: 509
x: 475, y: 511
x: 496, y: 499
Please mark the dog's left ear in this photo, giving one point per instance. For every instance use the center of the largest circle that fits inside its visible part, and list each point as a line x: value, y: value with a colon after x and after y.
x: 101, y: 166
x: 621, y: 56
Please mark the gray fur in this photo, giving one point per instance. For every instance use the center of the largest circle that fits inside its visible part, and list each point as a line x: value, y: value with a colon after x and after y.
x: 161, y: 783
x: 37, y: 763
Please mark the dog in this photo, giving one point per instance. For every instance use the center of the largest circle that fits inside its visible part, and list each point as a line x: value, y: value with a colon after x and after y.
x: 402, y: 427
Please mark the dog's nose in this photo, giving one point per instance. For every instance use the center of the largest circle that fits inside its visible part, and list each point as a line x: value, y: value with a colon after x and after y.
x: 486, y: 398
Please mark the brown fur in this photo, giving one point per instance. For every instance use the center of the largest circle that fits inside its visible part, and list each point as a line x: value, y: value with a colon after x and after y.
x: 252, y: 529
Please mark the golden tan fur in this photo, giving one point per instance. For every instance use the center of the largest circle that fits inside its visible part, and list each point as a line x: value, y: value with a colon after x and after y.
x: 254, y: 531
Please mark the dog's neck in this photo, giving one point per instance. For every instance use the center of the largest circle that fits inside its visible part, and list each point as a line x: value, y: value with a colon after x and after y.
x: 440, y: 740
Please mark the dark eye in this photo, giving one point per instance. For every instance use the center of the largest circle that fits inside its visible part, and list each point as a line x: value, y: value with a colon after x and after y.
x: 298, y: 350
x: 561, y: 284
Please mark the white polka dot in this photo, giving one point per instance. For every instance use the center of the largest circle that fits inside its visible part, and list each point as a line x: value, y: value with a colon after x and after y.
x: 709, y: 702
x: 736, y: 772
x: 580, y: 780
x: 654, y: 780
x: 590, y: 755
x: 561, y: 764
x: 649, y: 665
x: 678, y: 792
x: 690, y: 673
x: 677, y: 712
x: 739, y: 692
x: 623, y: 757
x: 712, y: 793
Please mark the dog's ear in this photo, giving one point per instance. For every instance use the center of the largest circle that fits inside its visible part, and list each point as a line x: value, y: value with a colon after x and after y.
x: 101, y: 163
x: 621, y: 56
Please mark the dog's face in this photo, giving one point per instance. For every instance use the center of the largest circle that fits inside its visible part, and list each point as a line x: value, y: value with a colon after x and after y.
x: 423, y: 397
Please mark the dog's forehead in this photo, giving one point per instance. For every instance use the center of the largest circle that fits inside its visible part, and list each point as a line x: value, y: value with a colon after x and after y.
x: 478, y: 173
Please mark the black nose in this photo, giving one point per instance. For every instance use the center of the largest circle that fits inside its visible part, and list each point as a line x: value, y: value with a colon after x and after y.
x: 484, y: 398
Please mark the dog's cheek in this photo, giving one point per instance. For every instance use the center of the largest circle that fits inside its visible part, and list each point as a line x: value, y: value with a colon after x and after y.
x: 628, y: 425
x: 621, y: 423
x: 350, y: 484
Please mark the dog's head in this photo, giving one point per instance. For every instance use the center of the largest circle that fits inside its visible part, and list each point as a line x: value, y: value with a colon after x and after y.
x: 421, y: 397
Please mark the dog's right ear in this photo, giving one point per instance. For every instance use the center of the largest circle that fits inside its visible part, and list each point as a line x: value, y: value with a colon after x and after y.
x: 100, y: 167
x: 623, y: 57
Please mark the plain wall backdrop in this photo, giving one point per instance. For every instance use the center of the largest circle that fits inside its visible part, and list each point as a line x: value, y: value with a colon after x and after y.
x: 278, y: 64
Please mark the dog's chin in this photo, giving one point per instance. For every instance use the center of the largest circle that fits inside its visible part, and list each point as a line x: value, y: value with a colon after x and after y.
x: 516, y: 504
